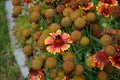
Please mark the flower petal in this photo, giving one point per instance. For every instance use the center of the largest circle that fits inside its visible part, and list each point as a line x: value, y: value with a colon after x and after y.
x: 114, y: 61
x: 51, y: 49
x: 58, y: 32
x: 49, y: 40
x: 65, y: 47
x: 57, y: 49
x: 99, y: 59
x: 88, y: 6
x: 111, y: 3
x: 52, y: 35
x: 66, y: 38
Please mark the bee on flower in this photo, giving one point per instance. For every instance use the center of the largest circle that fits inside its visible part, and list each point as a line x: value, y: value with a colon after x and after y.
x: 58, y: 42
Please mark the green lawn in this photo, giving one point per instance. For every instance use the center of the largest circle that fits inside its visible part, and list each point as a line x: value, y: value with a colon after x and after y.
x: 9, y: 70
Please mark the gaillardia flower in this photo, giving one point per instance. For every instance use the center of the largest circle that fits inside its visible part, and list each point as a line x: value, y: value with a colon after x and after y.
x: 28, y: 1
x: 109, y: 2
x: 115, y: 61
x: 100, y: 59
x: 35, y: 74
x: 58, y: 42
x: 87, y: 5
x: 103, y: 10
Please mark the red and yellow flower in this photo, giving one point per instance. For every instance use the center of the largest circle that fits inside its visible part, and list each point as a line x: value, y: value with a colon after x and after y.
x: 87, y: 5
x: 109, y: 2
x: 35, y: 74
x: 27, y: 1
x: 58, y: 42
x: 103, y: 10
x: 115, y: 60
x: 100, y: 59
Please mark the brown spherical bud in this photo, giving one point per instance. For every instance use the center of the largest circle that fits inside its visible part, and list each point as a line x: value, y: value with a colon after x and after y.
x: 36, y: 35
x: 78, y: 69
x: 81, y: 77
x: 94, y: 27
x: 53, y: 73
x: 75, y: 4
x: 51, y: 62
x: 88, y: 62
x: 37, y: 8
x: 15, y: 2
x: 67, y: 11
x: 26, y: 33
x: 58, y: 78
x: 50, y: 13
x: 44, y: 56
x: 28, y: 50
x: 17, y: 10
x: 61, y: 73
x: 68, y: 66
x: 43, y: 36
x: 84, y: 41
x: 66, y: 22
x: 76, y: 35
x: 79, y: 22
x: 80, y: 11
x: 30, y: 10
x: 54, y: 27
x: 36, y: 64
x: 34, y: 26
x: 60, y: 8
x: 102, y: 75
x: 39, y: 58
x: 114, y: 11
x: 68, y: 56
x: 46, y: 32
x: 90, y: 16
x: 110, y: 50
x: 74, y: 15
x: 109, y: 68
x: 41, y: 44
x: 35, y: 16
x: 106, y: 40
x: 117, y: 35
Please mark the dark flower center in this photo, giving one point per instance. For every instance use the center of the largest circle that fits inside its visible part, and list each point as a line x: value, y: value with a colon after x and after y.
x: 27, y: 1
x: 58, y: 41
x: 107, y: 1
x: 117, y: 59
x: 85, y: 4
x: 105, y: 10
x: 33, y: 72
x: 101, y: 56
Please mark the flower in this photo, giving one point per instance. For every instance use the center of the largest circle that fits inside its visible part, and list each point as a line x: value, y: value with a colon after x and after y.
x: 109, y: 2
x: 87, y: 5
x: 103, y: 10
x: 35, y: 74
x: 27, y: 1
x: 115, y: 61
x: 100, y: 59
x: 58, y: 42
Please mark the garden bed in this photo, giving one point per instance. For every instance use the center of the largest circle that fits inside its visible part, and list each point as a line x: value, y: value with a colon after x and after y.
x: 66, y: 40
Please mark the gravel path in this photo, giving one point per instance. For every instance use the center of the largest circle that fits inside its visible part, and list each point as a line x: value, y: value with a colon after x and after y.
x: 18, y: 53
